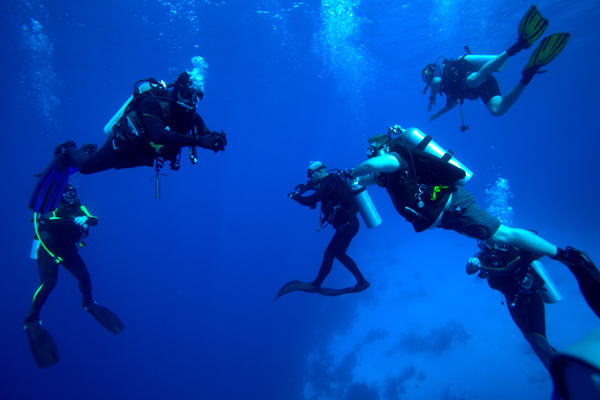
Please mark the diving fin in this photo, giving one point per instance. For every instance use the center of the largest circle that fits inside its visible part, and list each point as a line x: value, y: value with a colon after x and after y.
x: 359, y: 287
x: 106, y: 317
x: 51, y: 183
x: 531, y: 27
x: 43, y: 348
x: 296, y: 286
x: 587, y: 275
x: 544, y: 53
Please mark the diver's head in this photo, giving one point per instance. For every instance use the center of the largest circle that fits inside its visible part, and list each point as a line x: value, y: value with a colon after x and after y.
x: 427, y: 73
x: 316, y: 171
x: 378, y: 145
x: 69, y: 194
x: 185, y: 92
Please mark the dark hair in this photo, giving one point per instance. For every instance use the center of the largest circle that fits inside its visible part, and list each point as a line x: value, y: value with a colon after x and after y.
x: 385, y: 139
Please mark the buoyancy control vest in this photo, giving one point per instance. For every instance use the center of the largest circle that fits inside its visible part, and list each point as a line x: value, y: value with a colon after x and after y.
x: 421, y: 187
x: 126, y: 127
x: 340, y: 208
x: 454, y: 80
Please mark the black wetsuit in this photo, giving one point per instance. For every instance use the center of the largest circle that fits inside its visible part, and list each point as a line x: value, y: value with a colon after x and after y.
x: 338, y: 210
x: 507, y: 269
x: 154, y: 117
x: 61, y: 235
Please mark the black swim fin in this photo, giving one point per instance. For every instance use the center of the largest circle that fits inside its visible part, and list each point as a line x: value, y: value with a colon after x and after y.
x: 587, y: 275
x: 43, y: 348
x: 51, y: 184
x: 106, y: 317
x: 337, y: 292
x: 295, y: 286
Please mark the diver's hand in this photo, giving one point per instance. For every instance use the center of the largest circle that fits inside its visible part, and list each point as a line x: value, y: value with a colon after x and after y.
x: 210, y: 142
x: 473, y: 265
x: 431, y: 103
x: 348, y: 173
x: 293, y: 195
x: 80, y: 220
x: 433, y: 117
x: 220, y: 140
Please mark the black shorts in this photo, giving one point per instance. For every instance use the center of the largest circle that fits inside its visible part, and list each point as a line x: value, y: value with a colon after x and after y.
x: 488, y: 89
x: 466, y: 217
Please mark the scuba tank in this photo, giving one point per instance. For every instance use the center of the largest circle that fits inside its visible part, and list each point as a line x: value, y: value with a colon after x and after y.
x: 35, y: 245
x: 549, y: 291
x: 138, y: 88
x: 419, y: 140
x: 365, y: 205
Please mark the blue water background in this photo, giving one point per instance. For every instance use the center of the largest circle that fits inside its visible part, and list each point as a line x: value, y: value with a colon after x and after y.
x: 193, y: 275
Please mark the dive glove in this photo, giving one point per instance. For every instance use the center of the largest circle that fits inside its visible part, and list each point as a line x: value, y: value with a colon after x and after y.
x: 214, y: 141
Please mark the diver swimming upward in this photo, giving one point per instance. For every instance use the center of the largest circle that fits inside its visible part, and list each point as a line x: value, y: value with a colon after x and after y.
x: 470, y: 76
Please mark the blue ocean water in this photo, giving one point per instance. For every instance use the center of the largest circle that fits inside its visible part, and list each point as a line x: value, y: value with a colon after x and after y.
x: 193, y: 275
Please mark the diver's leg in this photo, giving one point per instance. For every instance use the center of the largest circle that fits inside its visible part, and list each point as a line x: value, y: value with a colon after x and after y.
x: 530, y: 316
x: 327, y: 262
x: 494, y: 64
x: 102, y: 159
x: 579, y: 263
x: 499, y: 105
x: 524, y: 240
x: 73, y: 263
x: 346, y: 235
x: 48, y: 271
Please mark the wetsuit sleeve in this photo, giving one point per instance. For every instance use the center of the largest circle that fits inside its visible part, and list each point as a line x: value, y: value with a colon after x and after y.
x: 91, y: 221
x: 201, y: 128
x: 322, y: 192
x: 152, y: 120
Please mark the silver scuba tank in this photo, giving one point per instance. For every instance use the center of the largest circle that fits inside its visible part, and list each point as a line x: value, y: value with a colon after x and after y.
x: 35, y: 245
x: 365, y: 205
x: 549, y: 291
x: 108, y: 128
x: 416, y: 138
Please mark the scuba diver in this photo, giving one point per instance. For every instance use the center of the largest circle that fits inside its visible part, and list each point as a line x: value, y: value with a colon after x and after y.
x: 425, y: 189
x: 151, y: 128
x: 59, y: 234
x: 470, y: 76
x: 338, y: 210
x: 518, y: 274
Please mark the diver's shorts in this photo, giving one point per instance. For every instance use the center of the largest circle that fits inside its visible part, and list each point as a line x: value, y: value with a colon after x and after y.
x: 466, y: 217
x: 489, y: 89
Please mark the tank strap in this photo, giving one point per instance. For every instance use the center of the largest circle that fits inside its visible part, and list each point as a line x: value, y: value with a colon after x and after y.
x: 424, y: 143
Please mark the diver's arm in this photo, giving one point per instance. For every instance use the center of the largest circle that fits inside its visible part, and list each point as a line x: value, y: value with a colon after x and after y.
x: 212, y: 140
x: 200, y: 127
x: 449, y: 106
x: 383, y: 163
x: 322, y: 190
x: 435, y: 89
x: 367, y: 180
x: 91, y: 220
